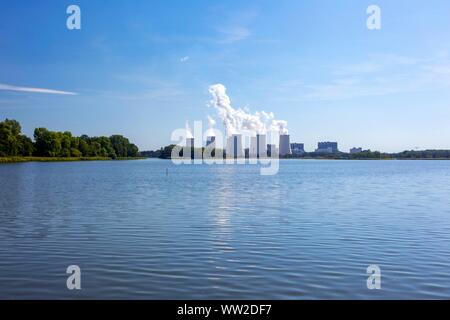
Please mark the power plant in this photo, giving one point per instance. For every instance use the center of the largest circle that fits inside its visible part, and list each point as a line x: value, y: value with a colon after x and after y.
x: 242, y: 121
x: 285, y: 145
x: 298, y: 148
x: 246, y: 145
x: 257, y: 146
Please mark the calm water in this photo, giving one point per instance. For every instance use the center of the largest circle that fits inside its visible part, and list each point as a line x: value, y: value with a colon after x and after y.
x: 214, y: 232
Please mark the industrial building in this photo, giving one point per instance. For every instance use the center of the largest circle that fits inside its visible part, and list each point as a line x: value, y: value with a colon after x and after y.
x: 356, y: 150
x: 327, y: 147
x: 297, y: 148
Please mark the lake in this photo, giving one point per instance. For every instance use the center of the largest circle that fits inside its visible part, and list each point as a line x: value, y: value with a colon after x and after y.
x: 148, y: 229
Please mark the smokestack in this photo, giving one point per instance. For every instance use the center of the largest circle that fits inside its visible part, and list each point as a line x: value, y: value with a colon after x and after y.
x: 285, y: 145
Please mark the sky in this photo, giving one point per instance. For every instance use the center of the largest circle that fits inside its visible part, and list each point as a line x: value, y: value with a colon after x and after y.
x: 143, y: 68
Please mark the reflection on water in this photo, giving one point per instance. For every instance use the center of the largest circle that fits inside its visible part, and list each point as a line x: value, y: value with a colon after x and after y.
x: 225, y: 231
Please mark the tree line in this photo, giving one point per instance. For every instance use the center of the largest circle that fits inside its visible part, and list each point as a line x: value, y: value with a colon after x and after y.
x: 165, y: 153
x: 61, y: 144
x: 370, y: 155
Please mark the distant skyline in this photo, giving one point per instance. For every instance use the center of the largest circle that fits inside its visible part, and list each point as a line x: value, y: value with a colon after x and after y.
x: 143, y: 68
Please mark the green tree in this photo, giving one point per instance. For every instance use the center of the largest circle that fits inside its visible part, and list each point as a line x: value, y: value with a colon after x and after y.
x: 47, y: 143
x: 84, y: 146
x: 166, y: 153
x: 26, y: 147
x: 123, y: 147
x: 9, y: 138
x: 66, y: 143
x: 132, y: 150
x: 12, y: 142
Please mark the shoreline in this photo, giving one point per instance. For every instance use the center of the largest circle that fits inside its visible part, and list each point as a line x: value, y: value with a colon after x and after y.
x: 5, y: 160
x: 8, y: 160
x: 336, y: 159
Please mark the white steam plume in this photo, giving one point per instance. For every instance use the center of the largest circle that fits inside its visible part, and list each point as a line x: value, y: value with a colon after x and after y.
x: 237, y: 120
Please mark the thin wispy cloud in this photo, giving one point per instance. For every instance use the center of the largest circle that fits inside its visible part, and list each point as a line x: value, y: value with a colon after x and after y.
x: 234, y: 34
x: 361, y: 68
x: 233, y: 27
x: 343, y: 89
x: 184, y: 59
x: 379, y: 75
x: 7, y: 87
x: 138, y: 86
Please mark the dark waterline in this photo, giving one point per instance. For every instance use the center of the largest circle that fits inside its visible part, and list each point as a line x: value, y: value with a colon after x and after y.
x: 224, y: 231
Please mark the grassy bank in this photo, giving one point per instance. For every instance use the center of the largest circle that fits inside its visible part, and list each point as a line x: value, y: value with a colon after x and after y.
x: 57, y: 159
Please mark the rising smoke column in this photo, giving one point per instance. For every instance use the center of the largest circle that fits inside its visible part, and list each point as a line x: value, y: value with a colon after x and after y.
x: 237, y: 120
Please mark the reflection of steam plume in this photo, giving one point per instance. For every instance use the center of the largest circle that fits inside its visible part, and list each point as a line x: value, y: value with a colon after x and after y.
x: 236, y: 120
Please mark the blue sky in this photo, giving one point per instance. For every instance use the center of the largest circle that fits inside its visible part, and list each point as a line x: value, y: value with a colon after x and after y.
x: 142, y: 68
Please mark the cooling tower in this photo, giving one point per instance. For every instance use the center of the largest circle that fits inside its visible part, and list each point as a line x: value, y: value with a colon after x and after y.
x: 253, y: 150
x: 261, y: 150
x: 285, y: 145
x: 272, y: 150
x: 234, y: 147
x: 189, y: 142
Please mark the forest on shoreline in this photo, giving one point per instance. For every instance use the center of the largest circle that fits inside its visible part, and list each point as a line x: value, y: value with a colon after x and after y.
x: 60, y: 146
